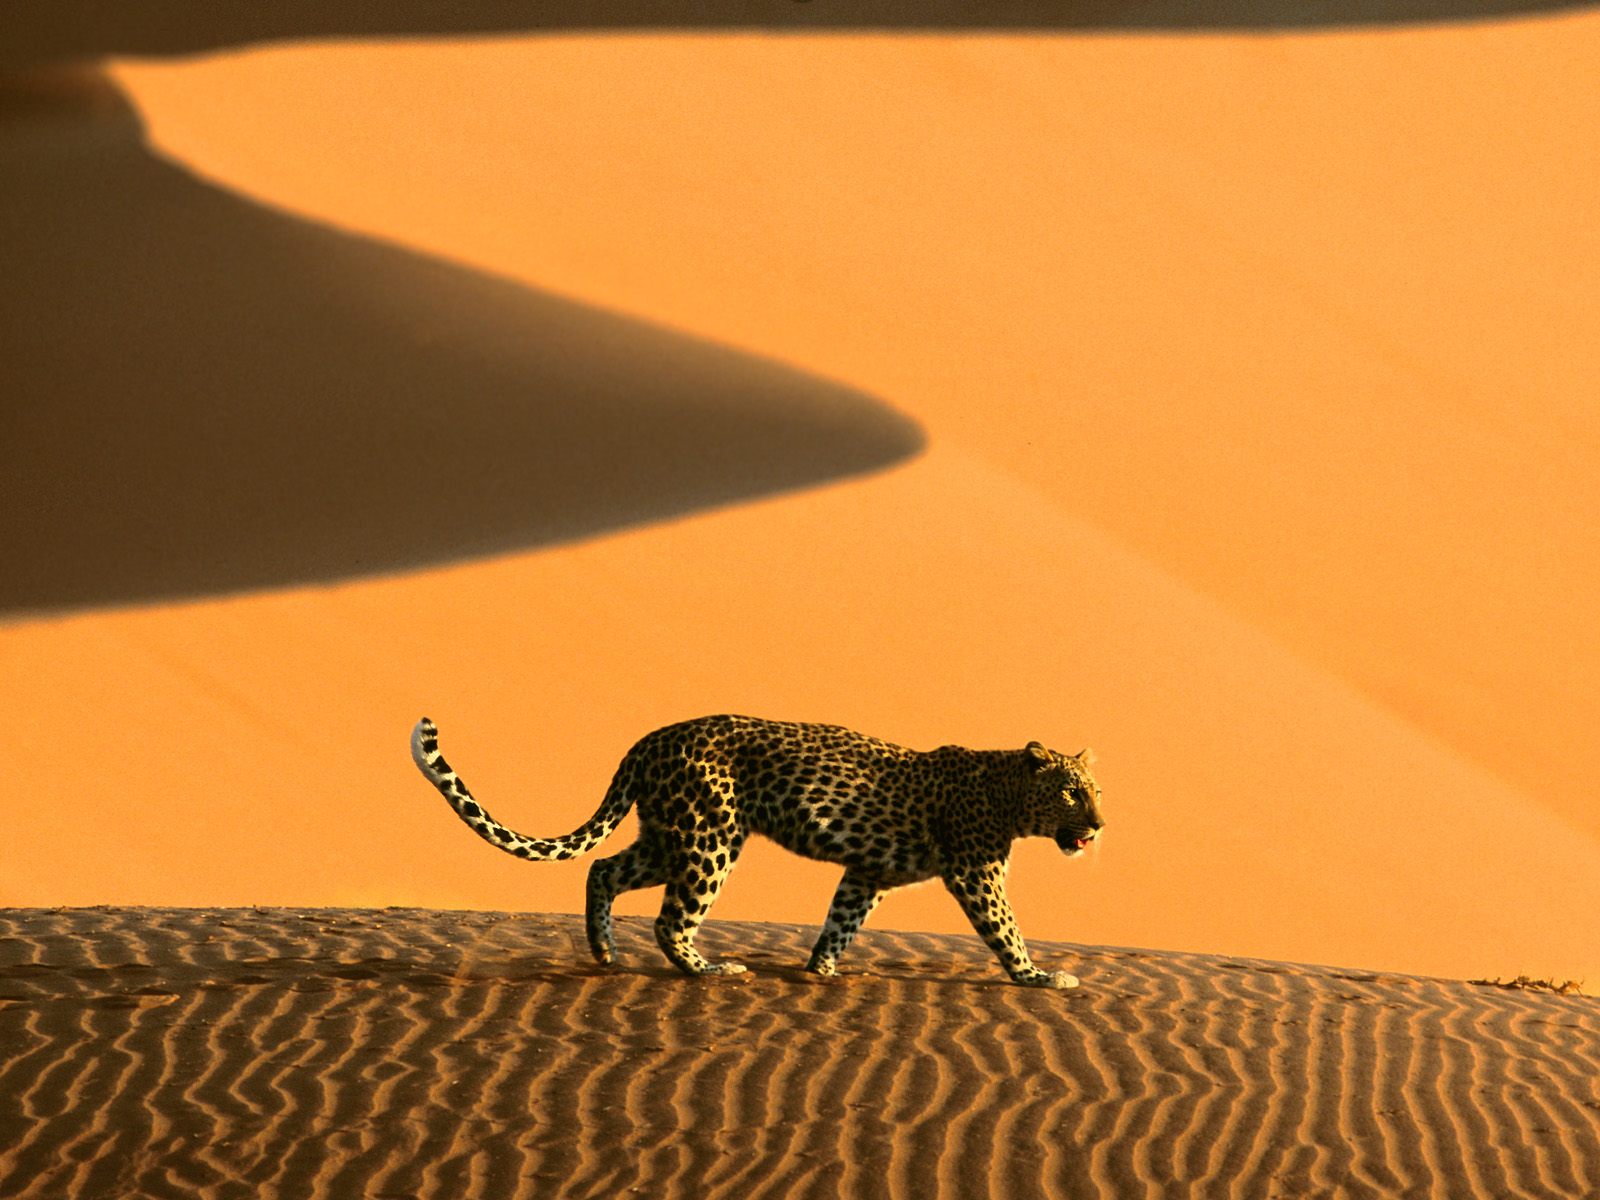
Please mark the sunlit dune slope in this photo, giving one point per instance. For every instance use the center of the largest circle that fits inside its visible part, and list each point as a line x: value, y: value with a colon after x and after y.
x: 1306, y: 320
x: 328, y: 1053
x: 1254, y: 804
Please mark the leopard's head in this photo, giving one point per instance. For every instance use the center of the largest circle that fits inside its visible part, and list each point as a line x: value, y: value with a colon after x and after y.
x: 1063, y: 800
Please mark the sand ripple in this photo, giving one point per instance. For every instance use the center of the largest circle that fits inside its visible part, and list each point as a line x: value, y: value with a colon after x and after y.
x: 391, y: 1054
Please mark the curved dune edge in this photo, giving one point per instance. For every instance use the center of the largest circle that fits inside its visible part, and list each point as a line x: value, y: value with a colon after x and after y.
x: 326, y: 1052
x: 241, y: 399
x: 74, y: 30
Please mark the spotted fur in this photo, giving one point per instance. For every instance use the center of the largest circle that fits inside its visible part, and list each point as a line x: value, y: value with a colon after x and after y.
x: 888, y: 815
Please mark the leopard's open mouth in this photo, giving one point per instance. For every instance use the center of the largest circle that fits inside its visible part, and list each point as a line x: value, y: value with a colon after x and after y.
x: 1071, y: 842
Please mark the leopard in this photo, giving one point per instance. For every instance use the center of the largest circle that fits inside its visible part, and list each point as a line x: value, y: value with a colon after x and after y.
x: 889, y: 815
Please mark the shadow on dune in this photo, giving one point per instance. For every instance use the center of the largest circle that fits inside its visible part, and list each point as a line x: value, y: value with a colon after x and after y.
x: 201, y: 395
x: 74, y: 29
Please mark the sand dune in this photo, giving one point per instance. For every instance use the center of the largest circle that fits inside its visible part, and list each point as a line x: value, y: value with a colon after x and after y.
x: 1254, y: 373
x: 311, y: 1053
x: 202, y: 395
x: 1256, y: 806
x: 1304, y: 321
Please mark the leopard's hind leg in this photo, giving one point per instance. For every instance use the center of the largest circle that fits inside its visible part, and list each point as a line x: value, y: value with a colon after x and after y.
x: 695, y: 877
x: 641, y: 865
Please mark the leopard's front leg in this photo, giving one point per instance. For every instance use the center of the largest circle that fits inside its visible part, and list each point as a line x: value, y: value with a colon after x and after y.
x: 980, y: 889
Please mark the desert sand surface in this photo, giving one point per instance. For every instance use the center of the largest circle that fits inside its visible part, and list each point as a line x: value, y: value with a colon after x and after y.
x: 1212, y: 391
x: 406, y: 1053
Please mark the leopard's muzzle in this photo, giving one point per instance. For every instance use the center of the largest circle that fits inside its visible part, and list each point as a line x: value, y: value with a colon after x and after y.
x: 1075, y: 840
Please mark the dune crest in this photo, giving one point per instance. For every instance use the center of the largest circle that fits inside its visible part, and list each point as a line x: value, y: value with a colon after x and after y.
x: 69, y: 30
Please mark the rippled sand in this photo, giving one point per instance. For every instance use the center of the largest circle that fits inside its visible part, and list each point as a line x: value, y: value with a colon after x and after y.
x: 402, y: 1053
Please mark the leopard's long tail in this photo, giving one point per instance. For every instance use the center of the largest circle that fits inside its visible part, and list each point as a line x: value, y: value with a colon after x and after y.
x: 425, y: 753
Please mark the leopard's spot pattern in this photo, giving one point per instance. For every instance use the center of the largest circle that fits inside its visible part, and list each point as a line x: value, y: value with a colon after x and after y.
x: 888, y: 815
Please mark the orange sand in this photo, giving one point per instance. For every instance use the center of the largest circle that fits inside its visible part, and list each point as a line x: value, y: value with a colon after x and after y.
x: 320, y: 1053
x: 1253, y: 373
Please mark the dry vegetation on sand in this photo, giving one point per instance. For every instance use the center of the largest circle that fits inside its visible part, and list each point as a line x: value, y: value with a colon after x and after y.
x: 1528, y: 983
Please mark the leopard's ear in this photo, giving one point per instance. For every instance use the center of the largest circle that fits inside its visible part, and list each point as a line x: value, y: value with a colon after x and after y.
x: 1038, y: 755
x: 1085, y: 756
